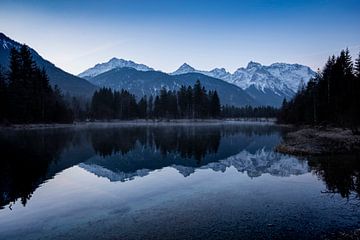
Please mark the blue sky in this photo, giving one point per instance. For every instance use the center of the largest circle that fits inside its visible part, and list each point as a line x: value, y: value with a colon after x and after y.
x: 76, y: 35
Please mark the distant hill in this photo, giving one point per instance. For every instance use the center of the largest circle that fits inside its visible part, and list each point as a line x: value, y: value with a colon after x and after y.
x: 150, y: 82
x: 67, y: 82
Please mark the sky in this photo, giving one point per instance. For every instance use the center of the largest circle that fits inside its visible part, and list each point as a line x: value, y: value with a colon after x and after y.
x: 163, y: 34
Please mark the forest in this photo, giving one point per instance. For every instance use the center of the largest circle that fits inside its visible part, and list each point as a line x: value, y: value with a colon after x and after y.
x: 331, y: 98
x: 26, y: 95
x: 187, y: 102
x: 192, y: 102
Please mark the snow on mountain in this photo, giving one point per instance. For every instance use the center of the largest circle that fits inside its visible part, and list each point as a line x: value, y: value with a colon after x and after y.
x: 254, y: 164
x: 291, y: 74
x: 267, y: 85
x: 185, y: 68
x: 278, y: 80
x: 278, y: 77
x: 113, y: 176
x: 112, y: 64
x: 219, y: 73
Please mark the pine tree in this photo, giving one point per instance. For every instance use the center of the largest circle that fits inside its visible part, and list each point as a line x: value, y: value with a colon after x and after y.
x: 16, y: 87
x: 331, y: 97
x: 197, y: 99
x: 215, y: 105
x: 182, y: 102
x: 150, y: 108
x: 142, y: 106
x: 157, y: 107
x: 3, y: 97
x: 357, y: 67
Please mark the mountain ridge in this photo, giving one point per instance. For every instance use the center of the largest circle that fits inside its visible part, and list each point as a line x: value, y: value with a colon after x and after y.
x: 67, y: 82
x: 112, y: 64
x: 268, y: 85
x: 149, y: 83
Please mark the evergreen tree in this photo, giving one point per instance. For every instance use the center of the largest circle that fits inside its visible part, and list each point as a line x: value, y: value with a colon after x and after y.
x: 329, y: 98
x: 142, y: 106
x: 182, y: 102
x: 150, y: 108
x: 215, y: 105
x: 3, y: 97
x: 157, y: 107
x: 197, y: 99
x: 29, y: 95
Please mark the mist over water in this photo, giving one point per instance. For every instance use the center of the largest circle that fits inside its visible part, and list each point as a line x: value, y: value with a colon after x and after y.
x: 178, y: 182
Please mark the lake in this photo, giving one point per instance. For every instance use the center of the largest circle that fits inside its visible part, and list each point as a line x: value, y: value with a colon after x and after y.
x: 221, y: 181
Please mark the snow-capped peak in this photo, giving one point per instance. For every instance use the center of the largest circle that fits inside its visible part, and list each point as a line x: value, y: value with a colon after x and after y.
x: 112, y: 64
x: 184, y: 68
x: 278, y: 77
x: 252, y: 64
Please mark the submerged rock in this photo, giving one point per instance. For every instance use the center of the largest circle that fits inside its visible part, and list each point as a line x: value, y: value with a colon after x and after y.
x: 311, y: 141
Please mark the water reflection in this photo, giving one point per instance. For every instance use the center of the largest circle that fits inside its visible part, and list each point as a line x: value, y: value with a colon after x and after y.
x: 341, y: 174
x: 25, y: 159
x: 28, y: 158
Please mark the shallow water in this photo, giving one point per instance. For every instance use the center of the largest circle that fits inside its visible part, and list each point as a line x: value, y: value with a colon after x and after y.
x: 170, y: 182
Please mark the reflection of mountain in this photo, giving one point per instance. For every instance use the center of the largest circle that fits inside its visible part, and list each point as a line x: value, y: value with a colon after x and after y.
x: 262, y: 162
x: 29, y: 158
x: 255, y: 165
x: 189, y: 146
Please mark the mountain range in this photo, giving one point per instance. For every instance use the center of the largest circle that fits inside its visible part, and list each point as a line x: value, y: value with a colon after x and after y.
x: 113, y: 63
x: 267, y: 85
x: 254, y: 84
x: 67, y: 82
x: 253, y: 164
x: 149, y: 83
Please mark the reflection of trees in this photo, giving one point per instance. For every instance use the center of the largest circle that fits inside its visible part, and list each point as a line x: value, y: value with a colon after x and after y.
x: 341, y: 174
x: 119, y: 140
x: 25, y: 158
x: 28, y: 158
x: 187, y: 141
x: 251, y: 130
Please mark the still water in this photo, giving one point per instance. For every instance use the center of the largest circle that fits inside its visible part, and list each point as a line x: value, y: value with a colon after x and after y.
x: 170, y: 182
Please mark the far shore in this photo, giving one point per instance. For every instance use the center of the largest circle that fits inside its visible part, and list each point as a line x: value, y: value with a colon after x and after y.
x: 138, y: 122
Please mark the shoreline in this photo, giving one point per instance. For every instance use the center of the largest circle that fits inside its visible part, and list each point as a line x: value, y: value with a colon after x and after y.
x: 311, y: 141
x: 138, y: 122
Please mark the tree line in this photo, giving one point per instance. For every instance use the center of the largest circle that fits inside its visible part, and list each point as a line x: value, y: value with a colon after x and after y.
x: 187, y: 102
x: 332, y: 97
x: 249, y: 112
x: 26, y: 95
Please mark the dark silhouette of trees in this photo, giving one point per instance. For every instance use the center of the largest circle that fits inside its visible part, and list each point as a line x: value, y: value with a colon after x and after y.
x: 109, y: 104
x: 26, y: 95
x: 215, y: 106
x: 249, y: 112
x: 340, y: 177
x: 332, y: 97
x: 3, y: 96
x: 187, y: 102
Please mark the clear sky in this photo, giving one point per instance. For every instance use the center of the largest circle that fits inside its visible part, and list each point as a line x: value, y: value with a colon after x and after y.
x: 163, y: 34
